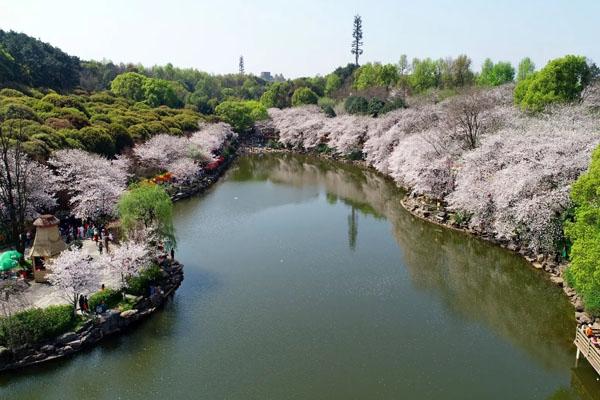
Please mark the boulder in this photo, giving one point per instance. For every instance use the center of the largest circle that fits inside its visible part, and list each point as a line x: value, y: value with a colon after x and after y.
x: 582, y: 318
x: 4, y: 355
x: 540, y: 258
x: 75, y: 344
x: 537, y: 265
x: 48, y: 348
x: 67, y: 337
x: 128, y: 313
x: 578, y: 304
x: 557, y: 280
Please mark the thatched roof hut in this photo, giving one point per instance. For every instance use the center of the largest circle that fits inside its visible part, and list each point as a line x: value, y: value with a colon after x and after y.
x: 47, y: 241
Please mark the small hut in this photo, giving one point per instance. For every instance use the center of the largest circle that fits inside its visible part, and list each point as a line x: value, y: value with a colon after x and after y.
x: 47, y: 244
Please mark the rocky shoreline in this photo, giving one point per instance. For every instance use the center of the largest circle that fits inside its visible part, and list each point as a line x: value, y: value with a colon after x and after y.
x: 108, y: 324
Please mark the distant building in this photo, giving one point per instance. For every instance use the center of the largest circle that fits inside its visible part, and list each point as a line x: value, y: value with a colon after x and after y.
x: 266, y: 76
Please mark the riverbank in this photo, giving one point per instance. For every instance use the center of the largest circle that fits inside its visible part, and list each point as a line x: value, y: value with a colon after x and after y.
x: 99, y: 327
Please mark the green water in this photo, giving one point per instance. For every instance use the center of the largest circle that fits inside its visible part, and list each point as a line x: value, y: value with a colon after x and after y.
x: 305, y: 279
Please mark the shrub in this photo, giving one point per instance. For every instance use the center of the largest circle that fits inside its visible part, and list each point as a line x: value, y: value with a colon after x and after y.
x: 97, y: 140
x: 561, y: 80
x: 304, y: 96
x: 375, y: 106
x: 356, y: 105
x: 74, y: 116
x: 138, y: 285
x: 18, y: 111
x: 35, y: 325
x: 6, y: 92
x: 65, y: 102
x: 58, y: 123
x: 395, y: 104
x: 121, y: 137
x: 110, y: 297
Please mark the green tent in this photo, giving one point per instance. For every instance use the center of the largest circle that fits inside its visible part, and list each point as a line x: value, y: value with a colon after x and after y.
x: 9, y: 260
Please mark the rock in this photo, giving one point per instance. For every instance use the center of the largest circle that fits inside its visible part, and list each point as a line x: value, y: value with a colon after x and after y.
x: 4, y: 355
x: 596, y: 325
x: 512, y: 247
x: 75, y: 344
x: 66, y: 350
x: 48, y: 348
x: 582, y: 318
x: 128, y: 313
x: 67, y: 337
x: 87, y: 325
x: 557, y: 280
x: 578, y: 304
x: 537, y: 265
x: 540, y: 258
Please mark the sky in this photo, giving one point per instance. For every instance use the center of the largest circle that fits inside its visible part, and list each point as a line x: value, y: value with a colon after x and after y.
x: 308, y: 37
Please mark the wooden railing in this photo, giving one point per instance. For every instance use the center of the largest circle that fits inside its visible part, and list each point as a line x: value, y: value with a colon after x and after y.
x: 589, y: 351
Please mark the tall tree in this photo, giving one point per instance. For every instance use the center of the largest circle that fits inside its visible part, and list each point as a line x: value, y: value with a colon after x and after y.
x: 526, y: 68
x: 241, y: 65
x: 357, y: 35
x: 24, y: 183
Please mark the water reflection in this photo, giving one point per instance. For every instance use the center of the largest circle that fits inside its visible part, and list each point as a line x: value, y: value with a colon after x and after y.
x: 475, y: 280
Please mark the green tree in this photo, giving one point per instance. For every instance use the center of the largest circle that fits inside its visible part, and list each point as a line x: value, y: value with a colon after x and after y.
x: 424, y: 75
x: 525, y: 69
x: 495, y: 74
x: 159, y: 92
x: 375, y: 74
x: 333, y: 83
x: 277, y: 95
x: 129, y: 85
x: 583, y: 273
x: 357, y: 36
x: 304, y: 96
x: 147, y: 207
x: 241, y: 115
x: 561, y: 80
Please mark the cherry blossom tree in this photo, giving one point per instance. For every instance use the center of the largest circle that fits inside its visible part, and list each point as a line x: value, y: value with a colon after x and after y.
x: 508, y: 170
x: 93, y: 183
x: 74, y: 272
x: 25, y: 185
x: 211, y: 137
x: 126, y: 260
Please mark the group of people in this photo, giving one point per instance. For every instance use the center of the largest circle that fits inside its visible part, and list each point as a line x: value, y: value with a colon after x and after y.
x: 84, y: 305
x: 589, y: 332
x: 98, y: 233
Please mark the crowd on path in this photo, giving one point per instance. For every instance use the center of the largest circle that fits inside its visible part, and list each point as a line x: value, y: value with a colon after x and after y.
x: 102, y: 237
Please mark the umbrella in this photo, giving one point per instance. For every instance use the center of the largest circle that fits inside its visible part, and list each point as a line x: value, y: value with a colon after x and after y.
x: 9, y: 260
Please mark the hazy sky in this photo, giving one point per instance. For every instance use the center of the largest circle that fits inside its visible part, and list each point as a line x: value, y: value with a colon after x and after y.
x: 309, y: 36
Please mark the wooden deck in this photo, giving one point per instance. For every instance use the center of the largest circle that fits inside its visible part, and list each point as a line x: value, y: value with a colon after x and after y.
x: 589, y: 351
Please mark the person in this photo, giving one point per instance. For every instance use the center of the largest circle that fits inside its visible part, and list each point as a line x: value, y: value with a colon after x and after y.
x: 28, y: 239
x: 86, y: 304
x: 100, y: 247
x: 588, y: 331
x: 82, y: 303
x: 172, y: 253
x: 106, y: 243
x: 102, y: 288
x: 96, y: 236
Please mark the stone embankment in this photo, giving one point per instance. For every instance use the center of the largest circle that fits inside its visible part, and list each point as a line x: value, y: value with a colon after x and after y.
x: 96, y: 329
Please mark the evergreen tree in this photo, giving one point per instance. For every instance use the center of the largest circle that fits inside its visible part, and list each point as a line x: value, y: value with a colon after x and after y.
x: 357, y: 36
x: 241, y: 65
